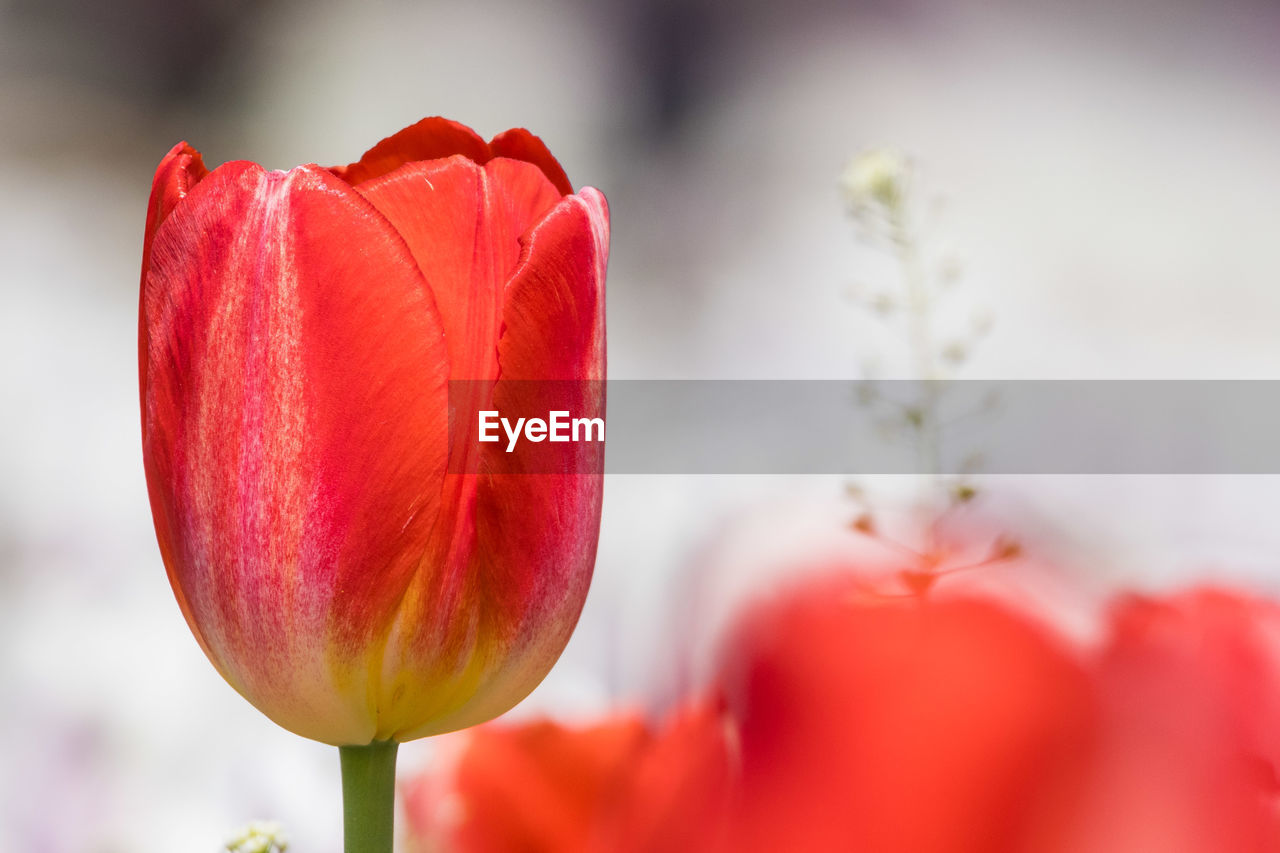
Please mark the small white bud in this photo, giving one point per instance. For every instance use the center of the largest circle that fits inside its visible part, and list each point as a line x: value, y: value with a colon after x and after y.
x: 258, y: 837
x: 875, y: 178
x: 955, y: 352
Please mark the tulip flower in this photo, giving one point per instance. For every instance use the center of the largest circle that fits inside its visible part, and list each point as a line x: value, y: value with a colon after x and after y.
x: 1188, y: 758
x: 837, y: 721
x: 334, y: 536
x: 621, y: 785
x: 888, y: 725
x: 840, y: 719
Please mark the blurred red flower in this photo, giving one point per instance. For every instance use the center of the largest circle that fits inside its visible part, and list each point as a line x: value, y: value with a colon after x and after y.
x: 619, y: 785
x: 841, y: 721
x: 1189, y: 695
x: 924, y: 726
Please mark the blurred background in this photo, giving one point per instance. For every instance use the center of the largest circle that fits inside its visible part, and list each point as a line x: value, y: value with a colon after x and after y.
x: 1105, y: 171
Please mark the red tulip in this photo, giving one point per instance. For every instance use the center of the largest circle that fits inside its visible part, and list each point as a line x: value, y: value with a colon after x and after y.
x: 1211, y: 659
x: 298, y: 334
x: 955, y: 725
x: 872, y: 725
x: 843, y: 721
x: 618, y: 786
x: 537, y: 786
x: 1187, y: 755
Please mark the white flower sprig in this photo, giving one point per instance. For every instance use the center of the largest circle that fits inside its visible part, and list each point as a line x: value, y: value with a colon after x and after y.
x: 258, y: 837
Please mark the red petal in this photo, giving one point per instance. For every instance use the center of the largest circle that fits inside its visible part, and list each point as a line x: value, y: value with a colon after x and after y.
x: 618, y: 785
x: 432, y: 138
x: 1191, y: 685
x: 511, y: 566
x: 180, y: 170
x: 537, y: 532
x: 678, y: 792
x: 296, y: 361
x: 553, y: 315
x: 542, y: 786
x: 436, y: 138
x: 949, y: 727
x: 1217, y: 646
x: 520, y: 144
x: 551, y: 357
x: 463, y: 224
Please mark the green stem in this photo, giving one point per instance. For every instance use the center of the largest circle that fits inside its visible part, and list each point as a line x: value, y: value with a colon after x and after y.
x: 920, y: 316
x: 368, y: 796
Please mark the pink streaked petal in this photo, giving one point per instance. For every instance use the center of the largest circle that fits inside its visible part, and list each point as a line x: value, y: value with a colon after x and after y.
x: 295, y: 435
x: 180, y: 170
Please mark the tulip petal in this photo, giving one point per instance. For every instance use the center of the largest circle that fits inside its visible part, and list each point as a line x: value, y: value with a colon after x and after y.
x: 950, y: 726
x: 180, y: 170
x: 463, y: 223
x: 543, y: 527
x: 551, y: 357
x: 520, y: 144
x: 295, y: 434
x: 524, y: 582
x: 433, y: 138
x: 554, y: 309
x: 544, y: 786
x: 437, y: 138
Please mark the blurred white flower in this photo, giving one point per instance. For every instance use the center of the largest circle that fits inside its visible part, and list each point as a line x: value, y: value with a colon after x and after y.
x: 258, y: 837
x: 875, y: 178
